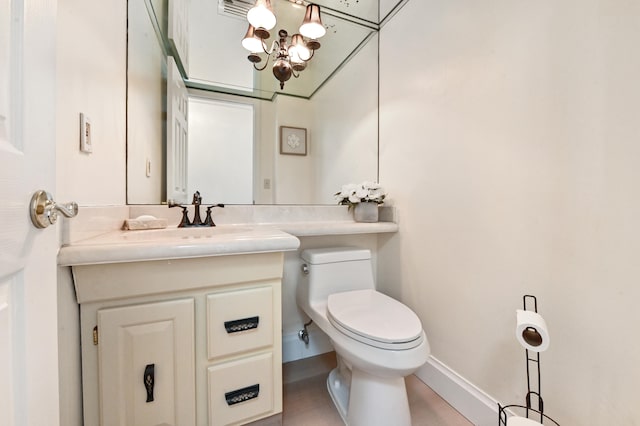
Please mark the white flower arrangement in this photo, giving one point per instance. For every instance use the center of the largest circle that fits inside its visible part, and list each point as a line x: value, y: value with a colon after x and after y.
x: 365, y: 192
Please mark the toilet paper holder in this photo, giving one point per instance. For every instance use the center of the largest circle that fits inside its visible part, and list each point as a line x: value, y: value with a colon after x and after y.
x: 532, y: 338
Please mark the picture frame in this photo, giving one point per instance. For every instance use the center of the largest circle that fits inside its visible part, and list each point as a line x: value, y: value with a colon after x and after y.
x: 293, y: 140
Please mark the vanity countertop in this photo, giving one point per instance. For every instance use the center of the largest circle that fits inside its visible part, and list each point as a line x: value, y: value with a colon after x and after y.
x: 175, y: 243
x: 94, y: 237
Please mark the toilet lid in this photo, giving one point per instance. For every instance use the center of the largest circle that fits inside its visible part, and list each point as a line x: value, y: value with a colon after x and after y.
x: 374, y: 318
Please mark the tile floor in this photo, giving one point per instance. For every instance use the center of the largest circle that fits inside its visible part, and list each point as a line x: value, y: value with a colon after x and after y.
x: 307, y: 402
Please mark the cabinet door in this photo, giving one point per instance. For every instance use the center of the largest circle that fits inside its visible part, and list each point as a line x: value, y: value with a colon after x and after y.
x: 146, y: 364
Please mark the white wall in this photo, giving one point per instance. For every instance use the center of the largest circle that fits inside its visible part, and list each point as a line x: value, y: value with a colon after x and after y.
x: 294, y: 174
x: 509, y: 145
x: 146, y: 109
x: 346, y: 126
x: 91, y: 76
x: 265, y: 151
x: 342, y: 132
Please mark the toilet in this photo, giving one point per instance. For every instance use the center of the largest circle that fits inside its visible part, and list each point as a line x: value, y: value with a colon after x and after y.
x: 378, y: 340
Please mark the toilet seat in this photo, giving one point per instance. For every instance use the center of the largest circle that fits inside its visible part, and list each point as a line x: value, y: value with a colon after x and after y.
x: 375, y: 319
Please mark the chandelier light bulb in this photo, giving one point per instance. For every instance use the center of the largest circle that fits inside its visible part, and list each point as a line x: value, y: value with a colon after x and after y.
x: 298, y: 51
x: 294, y: 57
x: 261, y: 15
x: 312, y: 24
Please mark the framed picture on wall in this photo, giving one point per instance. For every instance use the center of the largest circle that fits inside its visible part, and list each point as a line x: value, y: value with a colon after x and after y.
x: 293, y: 140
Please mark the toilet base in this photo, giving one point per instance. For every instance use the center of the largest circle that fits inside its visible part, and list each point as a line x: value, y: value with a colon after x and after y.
x: 367, y: 400
x: 338, y: 387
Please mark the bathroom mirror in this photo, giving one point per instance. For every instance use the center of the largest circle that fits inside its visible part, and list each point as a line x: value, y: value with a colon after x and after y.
x: 334, y: 100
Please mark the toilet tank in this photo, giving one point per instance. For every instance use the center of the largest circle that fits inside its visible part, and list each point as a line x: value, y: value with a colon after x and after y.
x: 333, y: 270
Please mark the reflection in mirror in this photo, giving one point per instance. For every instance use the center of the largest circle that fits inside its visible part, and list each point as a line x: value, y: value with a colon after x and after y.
x: 219, y: 131
x: 217, y: 40
x: 146, y: 107
x: 340, y: 115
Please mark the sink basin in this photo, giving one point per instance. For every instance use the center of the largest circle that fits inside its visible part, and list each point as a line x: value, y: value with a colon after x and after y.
x: 176, y: 243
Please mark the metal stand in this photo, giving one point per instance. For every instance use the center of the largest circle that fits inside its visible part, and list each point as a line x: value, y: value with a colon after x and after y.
x: 531, y: 362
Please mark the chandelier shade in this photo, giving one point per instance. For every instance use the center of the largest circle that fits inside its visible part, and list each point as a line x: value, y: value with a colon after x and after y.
x: 261, y: 15
x: 312, y: 25
x: 251, y: 42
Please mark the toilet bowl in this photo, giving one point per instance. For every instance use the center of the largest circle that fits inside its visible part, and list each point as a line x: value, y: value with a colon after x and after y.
x: 378, y: 340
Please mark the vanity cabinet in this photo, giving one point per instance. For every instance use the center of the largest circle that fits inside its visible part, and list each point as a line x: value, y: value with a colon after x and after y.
x: 181, y: 342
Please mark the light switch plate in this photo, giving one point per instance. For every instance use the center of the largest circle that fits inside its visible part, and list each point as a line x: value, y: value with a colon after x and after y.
x: 85, y: 133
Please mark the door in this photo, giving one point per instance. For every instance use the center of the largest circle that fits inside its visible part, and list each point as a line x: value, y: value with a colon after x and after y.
x: 213, y: 124
x: 28, y: 315
x: 178, y: 29
x: 177, y: 134
x: 146, y: 364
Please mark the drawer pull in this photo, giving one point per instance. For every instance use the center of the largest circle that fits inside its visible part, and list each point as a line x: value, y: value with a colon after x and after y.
x: 149, y: 380
x: 241, y: 395
x: 241, y: 325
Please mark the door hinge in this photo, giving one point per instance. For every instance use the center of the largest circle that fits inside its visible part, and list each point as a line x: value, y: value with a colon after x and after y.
x: 95, y: 335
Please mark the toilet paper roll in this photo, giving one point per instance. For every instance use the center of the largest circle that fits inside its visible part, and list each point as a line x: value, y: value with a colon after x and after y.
x: 531, y: 331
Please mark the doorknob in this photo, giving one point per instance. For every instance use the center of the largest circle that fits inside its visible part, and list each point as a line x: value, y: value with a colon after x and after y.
x: 44, y: 210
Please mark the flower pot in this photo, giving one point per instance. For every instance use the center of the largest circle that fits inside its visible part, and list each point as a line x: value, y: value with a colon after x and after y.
x: 366, y: 212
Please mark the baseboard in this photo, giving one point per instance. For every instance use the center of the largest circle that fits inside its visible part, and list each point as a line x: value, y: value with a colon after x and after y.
x: 470, y: 401
x: 294, y: 349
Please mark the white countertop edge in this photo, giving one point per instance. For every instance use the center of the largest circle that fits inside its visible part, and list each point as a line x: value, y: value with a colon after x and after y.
x: 87, y: 254
x: 75, y: 259
x: 283, y: 237
x: 308, y: 229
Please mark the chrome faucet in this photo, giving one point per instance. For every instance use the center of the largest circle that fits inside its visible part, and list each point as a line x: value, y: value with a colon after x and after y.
x: 197, y: 221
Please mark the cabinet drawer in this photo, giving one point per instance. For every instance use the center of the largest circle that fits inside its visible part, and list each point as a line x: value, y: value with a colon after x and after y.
x: 239, y: 320
x: 241, y: 389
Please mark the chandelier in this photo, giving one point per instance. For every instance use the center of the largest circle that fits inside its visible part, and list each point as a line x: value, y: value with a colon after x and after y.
x: 290, y: 54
